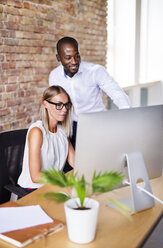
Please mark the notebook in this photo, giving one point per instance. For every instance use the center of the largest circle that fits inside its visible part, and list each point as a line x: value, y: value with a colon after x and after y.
x: 23, y: 237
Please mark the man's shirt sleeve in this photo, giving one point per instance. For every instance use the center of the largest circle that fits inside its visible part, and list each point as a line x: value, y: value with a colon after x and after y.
x: 111, y: 88
x: 51, y: 78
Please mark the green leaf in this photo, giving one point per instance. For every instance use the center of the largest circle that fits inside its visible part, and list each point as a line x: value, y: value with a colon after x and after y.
x: 71, y: 179
x: 103, y: 182
x: 56, y: 196
x: 54, y: 177
x: 124, y: 209
x: 80, y: 190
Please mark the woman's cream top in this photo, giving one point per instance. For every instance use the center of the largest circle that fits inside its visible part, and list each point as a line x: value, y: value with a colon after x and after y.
x: 54, y: 152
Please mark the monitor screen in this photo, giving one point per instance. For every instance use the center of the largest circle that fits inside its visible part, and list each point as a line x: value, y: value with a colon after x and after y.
x: 103, y: 139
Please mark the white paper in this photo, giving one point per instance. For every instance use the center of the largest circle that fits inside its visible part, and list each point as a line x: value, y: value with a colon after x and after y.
x: 14, y: 218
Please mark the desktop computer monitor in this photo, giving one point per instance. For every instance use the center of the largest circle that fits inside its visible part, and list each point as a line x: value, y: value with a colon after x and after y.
x: 103, y: 139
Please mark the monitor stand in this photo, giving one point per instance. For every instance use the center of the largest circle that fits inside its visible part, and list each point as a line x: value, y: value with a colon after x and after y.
x: 136, y: 170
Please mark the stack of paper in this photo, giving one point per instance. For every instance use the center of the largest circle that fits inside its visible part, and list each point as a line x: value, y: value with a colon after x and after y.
x: 22, y: 225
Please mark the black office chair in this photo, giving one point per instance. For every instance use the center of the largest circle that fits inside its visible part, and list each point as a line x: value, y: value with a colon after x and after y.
x: 11, y: 157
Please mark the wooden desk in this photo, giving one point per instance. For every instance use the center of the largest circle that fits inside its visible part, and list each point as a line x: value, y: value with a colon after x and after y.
x: 113, y: 229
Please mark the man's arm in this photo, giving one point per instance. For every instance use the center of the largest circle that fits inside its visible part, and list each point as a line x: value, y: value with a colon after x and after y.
x: 111, y: 88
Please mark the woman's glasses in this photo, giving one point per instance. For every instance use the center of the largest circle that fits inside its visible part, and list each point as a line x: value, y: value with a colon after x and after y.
x: 60, y: 105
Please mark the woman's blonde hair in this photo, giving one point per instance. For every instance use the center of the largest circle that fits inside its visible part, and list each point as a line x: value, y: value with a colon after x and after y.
x: 48, y: 94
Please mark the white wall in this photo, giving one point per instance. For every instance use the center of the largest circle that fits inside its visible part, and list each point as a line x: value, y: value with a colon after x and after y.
x: 151, y: 40
x: 154, y: 93
x: 121, y: 35
x: 135, y: 47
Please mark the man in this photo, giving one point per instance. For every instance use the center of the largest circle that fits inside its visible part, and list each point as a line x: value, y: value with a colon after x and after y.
x: 84, y: 81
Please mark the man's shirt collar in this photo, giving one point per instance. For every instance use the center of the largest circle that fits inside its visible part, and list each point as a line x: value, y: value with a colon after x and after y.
x: 80, y: 70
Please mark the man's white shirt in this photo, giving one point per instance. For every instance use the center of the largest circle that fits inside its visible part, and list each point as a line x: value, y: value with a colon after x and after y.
x: 84, y: 88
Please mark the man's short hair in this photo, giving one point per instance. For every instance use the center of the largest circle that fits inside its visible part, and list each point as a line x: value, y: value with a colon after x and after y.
x: 66, y: 40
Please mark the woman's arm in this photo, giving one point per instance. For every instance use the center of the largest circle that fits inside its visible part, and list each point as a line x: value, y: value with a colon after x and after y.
x: 71, y: 154
x: 35, y: 140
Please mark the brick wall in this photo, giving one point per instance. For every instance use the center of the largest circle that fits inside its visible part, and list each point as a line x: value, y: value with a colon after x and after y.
x: 29, y: 31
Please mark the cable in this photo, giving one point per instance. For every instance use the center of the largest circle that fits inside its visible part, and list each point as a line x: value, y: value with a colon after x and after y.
x: 144, y: 190
x: 148, y: 193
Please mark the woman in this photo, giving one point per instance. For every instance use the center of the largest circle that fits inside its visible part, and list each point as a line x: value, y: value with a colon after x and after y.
x: 47, y: 144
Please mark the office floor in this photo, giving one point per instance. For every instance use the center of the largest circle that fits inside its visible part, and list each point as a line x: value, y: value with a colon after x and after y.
x: 156, y: 237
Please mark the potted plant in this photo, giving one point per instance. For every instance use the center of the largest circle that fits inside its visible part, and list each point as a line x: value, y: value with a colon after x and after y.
x: 81, y: 211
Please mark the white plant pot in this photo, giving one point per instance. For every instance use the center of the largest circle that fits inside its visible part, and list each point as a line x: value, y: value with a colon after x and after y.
x: 81, y: 224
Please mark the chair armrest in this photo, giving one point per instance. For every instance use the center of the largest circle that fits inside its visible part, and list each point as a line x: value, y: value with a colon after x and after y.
x: 16, y: 189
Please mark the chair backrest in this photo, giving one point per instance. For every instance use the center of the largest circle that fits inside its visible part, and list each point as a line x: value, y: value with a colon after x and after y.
x: 11, y: 157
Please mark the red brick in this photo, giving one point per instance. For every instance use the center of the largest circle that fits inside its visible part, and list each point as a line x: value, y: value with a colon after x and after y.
x: 1, y: 8
x: 13, y: 72
x: 12, y: 87
x: 7, y: 33
x: 24, y: 78
x: 12, y: 65
x: 14, y: 102
x: 2, y: 104
x: 28, y: 35
x: 10, y: 57
x: 26, y: 5
x: 1, y: 24
x: 2, y: 88
x: 3, y: 80
x: 29, y: 120
x: 14, y: 3
x: 20, y: 49
x: 27, y: 99
x: 14, y: 125
x: 21, y: 93
x: 29, y: 31
x: 4, y: 112
x: 11, y: 25
x: 5, y: 66
x: 1, y: 57
x: 12, y: 79
x: 5, y: 127
x: 6, y: 49
x: 10, y: 42
x: 11, y: 10
x: 23, y: 64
